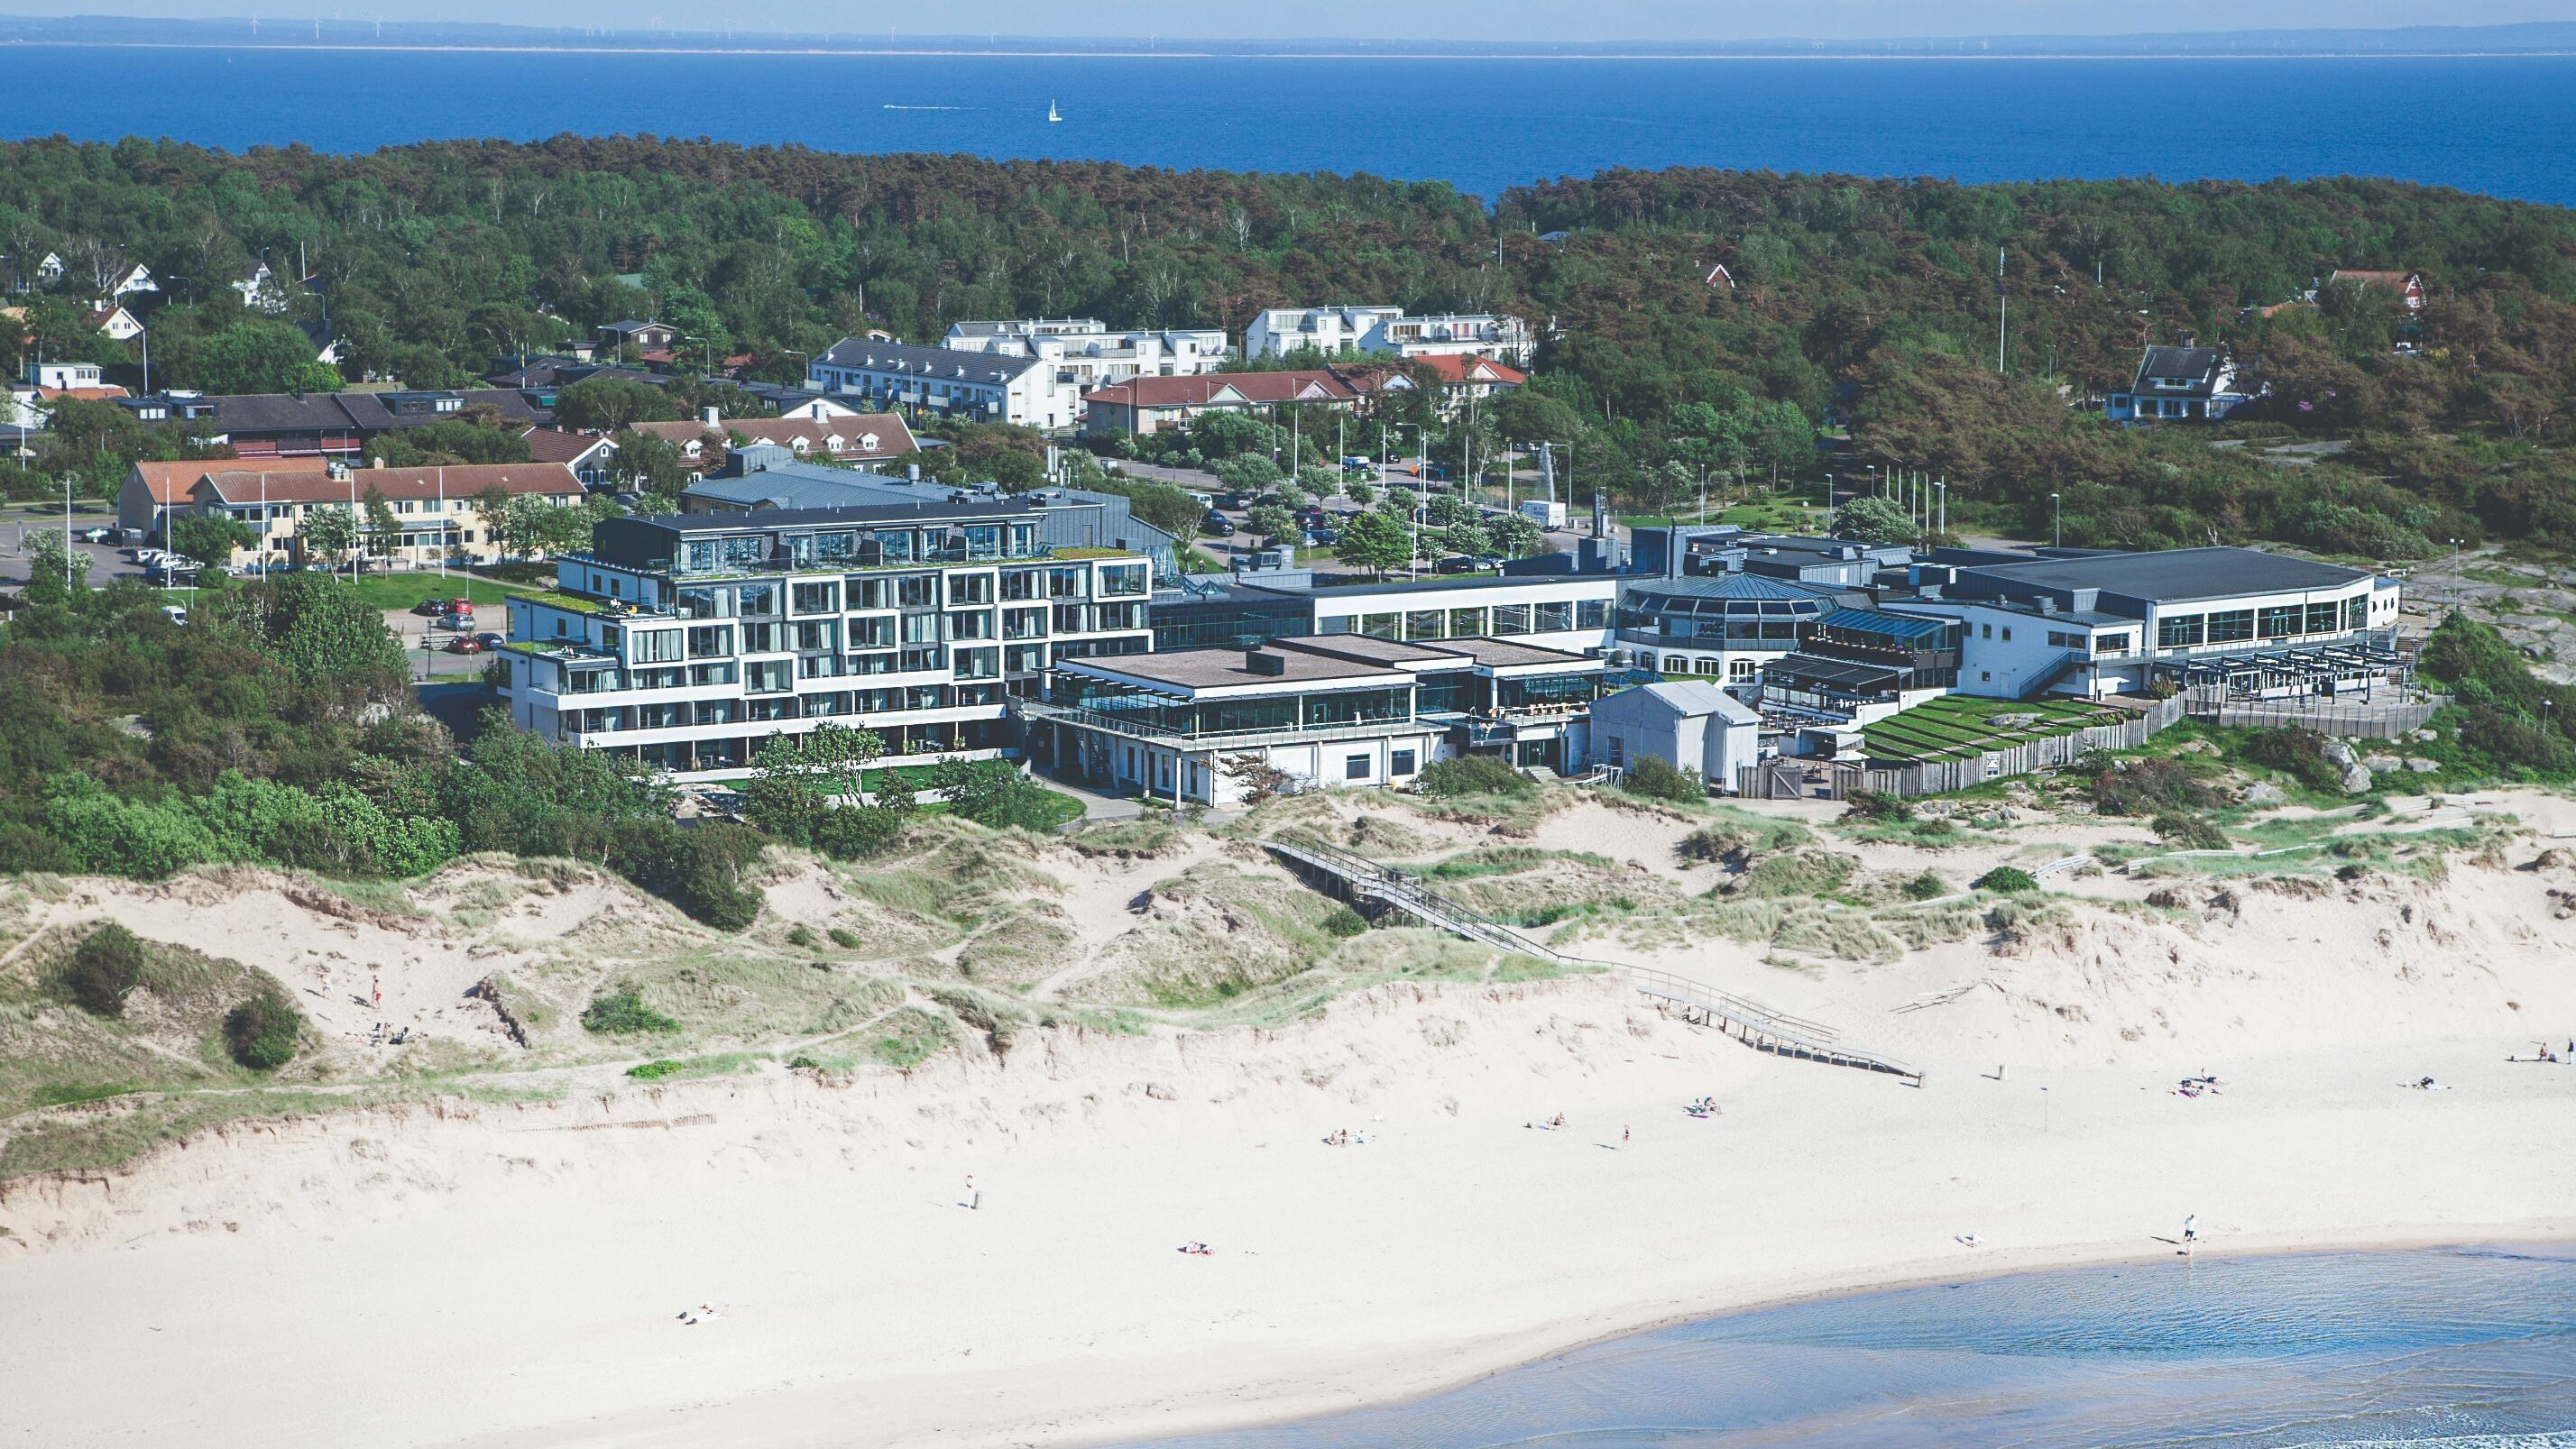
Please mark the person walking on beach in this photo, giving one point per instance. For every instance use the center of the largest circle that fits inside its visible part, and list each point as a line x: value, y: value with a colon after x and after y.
x: 974, y: 1194
x: 2190, y: 1228
x: 376, y: 990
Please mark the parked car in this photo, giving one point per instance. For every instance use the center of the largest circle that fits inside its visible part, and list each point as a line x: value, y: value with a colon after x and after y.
x: 1321, y: 538
x: 490, y: 640
x: 1236, y: 499
x: 1217, y: 524
x: 175, y: 614
x: 94, y: 535
x: 464, y: 644
x: 460, y: 623
x: 1457, y: 563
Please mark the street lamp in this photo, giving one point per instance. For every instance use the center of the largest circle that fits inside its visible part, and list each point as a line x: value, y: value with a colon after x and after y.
x: 2057, y: 509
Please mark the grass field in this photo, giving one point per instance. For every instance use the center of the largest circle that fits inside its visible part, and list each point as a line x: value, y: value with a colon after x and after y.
x: 1957, y: 727
x: 401, y: 591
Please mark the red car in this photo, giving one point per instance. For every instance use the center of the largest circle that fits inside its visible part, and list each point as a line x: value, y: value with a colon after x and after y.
x: 464, y: 644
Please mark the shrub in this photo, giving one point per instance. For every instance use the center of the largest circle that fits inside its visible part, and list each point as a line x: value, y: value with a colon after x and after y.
x: 2005, y: 880
x: 262, y: 1031
x: 998, y: 794
x: 623, y: 1013
x: 653, y: 1071
x: 1343, y: 921
x: 2299, y: 754
x: 800, y: 936
x: 2187, y: 832
x: 1925, y: 887
x: 106, y: 965
x: 1656, y: 778
x: 1716, y: 843
x: 857, y: 832
x: 844, y: 937
x: 1796, y: 873
x: 1871, y: 805
x: 2151, y: 786
x: 1474, y: 775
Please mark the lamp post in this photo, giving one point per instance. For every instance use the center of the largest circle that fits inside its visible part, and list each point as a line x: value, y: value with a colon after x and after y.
x: 2057, y: 510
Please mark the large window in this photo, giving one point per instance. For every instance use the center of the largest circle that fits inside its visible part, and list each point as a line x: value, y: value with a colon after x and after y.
x: 1354, y: 706
x: 821, y: 598
x: 1426, y: 624
x: 2282, y: 621
x: 2324, y: 618
x: 2233, y: 626
x: 706, y: 603
x: 970, y: 588
x: 1511, y: 618
x: 2356, y: 613
x: 653, y: 646
x: 1382, y: 626
x: 1592, y: 614
x: 2177, y: 633
x: 876, y: 633
x: 917, y: 591
x: 1123, y: 581
x: 1466, y: 623
x: 1554, y: 618
x: 760, y: 599
x: 708, y: 640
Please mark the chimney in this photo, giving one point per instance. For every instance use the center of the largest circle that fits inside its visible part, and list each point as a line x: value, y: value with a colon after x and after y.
x: 379, y: 462
x: 1266, y: 661
x: 712, y: 419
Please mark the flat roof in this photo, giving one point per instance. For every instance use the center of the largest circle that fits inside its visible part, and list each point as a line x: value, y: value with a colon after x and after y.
x: 1506, y: 654
x: 890, y: 513
x: 1436, y: 585
x: 2176, y: 575
x: 1216, y: 668
x: 1370, y: 649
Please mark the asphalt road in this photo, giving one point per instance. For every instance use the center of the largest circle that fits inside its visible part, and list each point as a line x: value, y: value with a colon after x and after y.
x: 107, y: 562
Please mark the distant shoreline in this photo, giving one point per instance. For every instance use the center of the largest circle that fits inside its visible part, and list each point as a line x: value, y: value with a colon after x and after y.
x: 954, y: 53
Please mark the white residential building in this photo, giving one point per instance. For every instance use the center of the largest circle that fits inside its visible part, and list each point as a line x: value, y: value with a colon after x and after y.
x: 682, y: 643
x: 901, y: 377
x: 1334, y: 331
x: 1087, y: 355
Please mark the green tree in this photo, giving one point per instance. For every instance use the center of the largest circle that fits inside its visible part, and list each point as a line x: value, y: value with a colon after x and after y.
x: 447, y: 441
x: 257, y: 355
x: 328, y: 533
x: 1517, y: 535
x: 382, y: 527
x: 648, y: 464
x: 1272, y: 521
x: 209, y: 538
x: 1465, y: 536
x: 1874, y: 520
x: 612, y: 405
x: 1374, y: 542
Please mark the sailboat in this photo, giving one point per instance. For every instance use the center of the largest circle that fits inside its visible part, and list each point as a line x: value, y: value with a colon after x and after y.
x: 1052, y: 113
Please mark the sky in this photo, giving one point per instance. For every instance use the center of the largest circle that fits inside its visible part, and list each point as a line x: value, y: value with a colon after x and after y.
x: 1496, y: 20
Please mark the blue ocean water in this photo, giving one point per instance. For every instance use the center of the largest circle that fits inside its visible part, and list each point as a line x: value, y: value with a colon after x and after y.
x: 2468, y: 1348
x: 2498, y: 125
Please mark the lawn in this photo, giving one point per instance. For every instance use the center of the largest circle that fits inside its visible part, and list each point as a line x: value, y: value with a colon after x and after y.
x: 1960, y: 726
x: 401, y: 591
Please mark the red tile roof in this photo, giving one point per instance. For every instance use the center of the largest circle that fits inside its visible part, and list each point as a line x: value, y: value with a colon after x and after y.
x: 171, y: 482
x: 460, y: 481
x: 553, y: 445
x: 1251, y: 387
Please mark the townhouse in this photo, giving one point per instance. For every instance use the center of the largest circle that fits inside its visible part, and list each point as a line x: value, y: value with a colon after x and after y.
x: 975, y: 387
x: 437, y: 512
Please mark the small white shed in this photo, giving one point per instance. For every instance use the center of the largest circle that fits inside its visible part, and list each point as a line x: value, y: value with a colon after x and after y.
x: 1688, y: 724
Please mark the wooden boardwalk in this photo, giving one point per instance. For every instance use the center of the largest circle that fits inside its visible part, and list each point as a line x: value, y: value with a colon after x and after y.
x: 1367, y: 882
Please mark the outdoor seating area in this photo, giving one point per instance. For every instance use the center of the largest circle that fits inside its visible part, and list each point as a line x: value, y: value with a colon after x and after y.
x: 1958, y: 727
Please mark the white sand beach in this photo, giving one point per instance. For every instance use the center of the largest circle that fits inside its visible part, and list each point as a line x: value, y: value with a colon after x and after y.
x: 477, y: 1272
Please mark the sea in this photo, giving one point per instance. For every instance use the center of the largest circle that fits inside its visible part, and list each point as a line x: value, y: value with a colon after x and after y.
x: 2456, y: 1348
x: 2499, y: 125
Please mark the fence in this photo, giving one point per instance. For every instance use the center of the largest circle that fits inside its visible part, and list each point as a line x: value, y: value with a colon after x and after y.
x: 2368, y: 721
x: 1776, y: 779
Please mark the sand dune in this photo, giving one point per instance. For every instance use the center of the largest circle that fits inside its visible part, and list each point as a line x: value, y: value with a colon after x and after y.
x: 494, y: 1273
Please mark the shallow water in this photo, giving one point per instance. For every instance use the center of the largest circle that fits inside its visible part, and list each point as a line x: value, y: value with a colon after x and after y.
x: 2466, y: 1348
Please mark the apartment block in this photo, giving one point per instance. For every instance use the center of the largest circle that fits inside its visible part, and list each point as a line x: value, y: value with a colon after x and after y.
x: 684, y: 642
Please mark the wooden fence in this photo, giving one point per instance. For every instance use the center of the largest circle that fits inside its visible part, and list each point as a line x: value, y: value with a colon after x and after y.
x: 1836, y: 780
x: 2372, y: 721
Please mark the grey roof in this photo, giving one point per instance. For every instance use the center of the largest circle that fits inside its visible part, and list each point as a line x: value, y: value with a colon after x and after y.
x: 1735, y: 586
x: 937, y: 364
x: 2174, y: 575
x: 2199, y: 364
x: 795, y: 485
x: 1688, y: 697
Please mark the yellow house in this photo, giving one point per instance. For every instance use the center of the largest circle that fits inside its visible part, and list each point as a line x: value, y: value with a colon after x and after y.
x: 437, y: 510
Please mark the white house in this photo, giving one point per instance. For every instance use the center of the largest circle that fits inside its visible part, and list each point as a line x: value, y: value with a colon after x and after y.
x: 2174, y: 383
x: 132, y: 280
x: 1571, y: 612
x: 1332, y: 331
x: 1688, y: 724
x: 971, y: 386
x: 1087, y: 355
